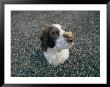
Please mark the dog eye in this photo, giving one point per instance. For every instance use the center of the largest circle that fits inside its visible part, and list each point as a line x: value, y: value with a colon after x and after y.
x: 53, y: 33
x: 57, y: 32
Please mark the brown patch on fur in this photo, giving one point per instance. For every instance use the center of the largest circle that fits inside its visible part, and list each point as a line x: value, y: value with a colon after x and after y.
x: 48, y: 37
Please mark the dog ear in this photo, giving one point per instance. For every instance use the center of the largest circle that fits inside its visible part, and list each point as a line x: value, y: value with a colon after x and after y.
x: 44, y: 39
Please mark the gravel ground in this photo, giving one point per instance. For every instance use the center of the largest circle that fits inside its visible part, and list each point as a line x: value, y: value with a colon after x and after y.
x: 27, y: 59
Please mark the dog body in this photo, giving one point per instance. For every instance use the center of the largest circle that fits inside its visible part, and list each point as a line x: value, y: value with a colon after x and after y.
x: 56, y: 56
x: 56, y: 43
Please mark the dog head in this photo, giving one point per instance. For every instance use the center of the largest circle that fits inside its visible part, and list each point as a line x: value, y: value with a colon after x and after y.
x: 55, y: 36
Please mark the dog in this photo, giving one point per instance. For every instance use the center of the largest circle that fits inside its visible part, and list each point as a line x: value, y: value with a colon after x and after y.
x: 55, y: 43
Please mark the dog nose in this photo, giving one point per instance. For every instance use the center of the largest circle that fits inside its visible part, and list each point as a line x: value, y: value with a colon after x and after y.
x: 70, y: 39
x: 68, y: 36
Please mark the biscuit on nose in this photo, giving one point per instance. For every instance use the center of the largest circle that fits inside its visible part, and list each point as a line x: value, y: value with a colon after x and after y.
x: 68, y: 34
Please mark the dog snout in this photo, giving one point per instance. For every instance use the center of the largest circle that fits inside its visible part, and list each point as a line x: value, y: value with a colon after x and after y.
x: 70, y: 39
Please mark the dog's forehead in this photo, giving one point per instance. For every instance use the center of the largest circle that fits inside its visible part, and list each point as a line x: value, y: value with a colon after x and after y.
x: 57, y: 26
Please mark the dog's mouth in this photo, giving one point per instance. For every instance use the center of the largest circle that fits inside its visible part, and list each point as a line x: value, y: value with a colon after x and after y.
x: 66, y: 41
x: 70, y: 44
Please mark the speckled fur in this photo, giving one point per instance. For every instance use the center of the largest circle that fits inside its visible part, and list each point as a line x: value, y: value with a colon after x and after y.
x: 56, y: 56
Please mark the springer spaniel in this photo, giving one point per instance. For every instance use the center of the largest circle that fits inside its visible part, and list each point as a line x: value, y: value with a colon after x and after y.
x: 56, y: 43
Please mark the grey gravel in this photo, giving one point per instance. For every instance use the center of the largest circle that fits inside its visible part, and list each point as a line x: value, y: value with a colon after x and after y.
x: 27, y: 59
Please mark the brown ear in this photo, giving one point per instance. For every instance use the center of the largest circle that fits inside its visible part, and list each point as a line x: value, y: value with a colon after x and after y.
x: 43, y: 38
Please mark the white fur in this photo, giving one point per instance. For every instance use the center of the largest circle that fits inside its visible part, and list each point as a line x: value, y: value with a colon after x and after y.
x: 60, y: 52
x: 56, y: 56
